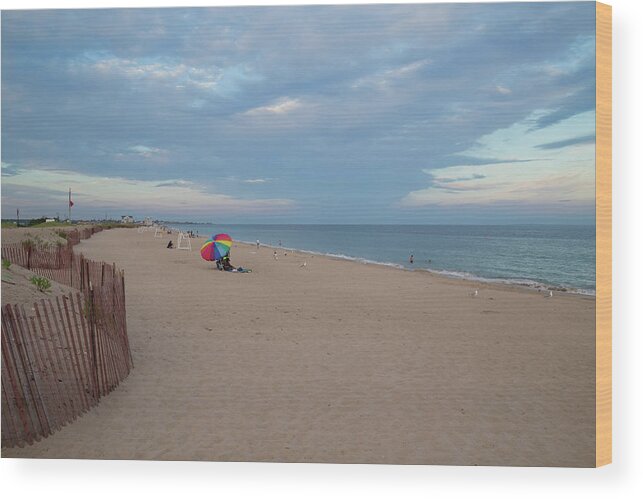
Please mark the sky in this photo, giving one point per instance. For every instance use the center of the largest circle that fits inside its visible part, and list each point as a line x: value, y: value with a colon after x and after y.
x: 434, y: 113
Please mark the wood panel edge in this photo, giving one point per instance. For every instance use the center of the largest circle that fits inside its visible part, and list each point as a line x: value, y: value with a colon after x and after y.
x: 603, y: 234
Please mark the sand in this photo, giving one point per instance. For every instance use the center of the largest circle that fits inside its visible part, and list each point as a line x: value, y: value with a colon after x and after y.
x: 336, y: 361
x: 46, y: 235
x: 18, y: 289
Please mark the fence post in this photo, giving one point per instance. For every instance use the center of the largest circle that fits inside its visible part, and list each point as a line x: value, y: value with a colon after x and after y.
x: 83, y: 273
x: 71, y: 264
x: 114, y: 286
x: 92, y: 334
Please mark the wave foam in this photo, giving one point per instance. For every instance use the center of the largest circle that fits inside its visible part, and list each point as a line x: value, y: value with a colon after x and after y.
x: 527, y: 283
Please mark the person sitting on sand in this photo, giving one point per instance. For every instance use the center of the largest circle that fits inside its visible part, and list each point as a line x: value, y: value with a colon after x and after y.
x: 227, y: 265
x: 170, y: 245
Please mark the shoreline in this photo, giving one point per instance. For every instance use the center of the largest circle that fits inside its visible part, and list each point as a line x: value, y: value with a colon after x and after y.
x: 451, y: 276
x: 532, y: 284
x: 526, y: 284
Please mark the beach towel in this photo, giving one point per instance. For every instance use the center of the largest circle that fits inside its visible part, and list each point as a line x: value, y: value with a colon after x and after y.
x: 240, y: 269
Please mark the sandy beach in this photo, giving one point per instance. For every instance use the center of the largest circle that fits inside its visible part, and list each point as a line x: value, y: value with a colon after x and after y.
x: 335, y: 361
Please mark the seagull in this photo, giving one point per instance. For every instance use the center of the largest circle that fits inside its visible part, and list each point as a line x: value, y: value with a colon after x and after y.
x: 551, y: 293
x: 303, y: 264
x: 474, y: 294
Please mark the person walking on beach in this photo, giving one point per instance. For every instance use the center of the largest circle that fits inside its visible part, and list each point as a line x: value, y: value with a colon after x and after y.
x: 411, y: 259
x: 257, y: 243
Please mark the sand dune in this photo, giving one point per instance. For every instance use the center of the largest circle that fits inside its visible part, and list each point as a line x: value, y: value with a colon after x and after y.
x: 336, y: 361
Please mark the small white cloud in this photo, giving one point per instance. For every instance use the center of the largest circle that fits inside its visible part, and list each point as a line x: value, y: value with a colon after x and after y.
x: 385, y: 78
x: 282, y: 106
x: 145, y: 151
x: 554, y: 71
x: 257, y: 180
x: 503, y: 90
x: 175, y: 183
x: 408, y: 68
x: 136, y: 69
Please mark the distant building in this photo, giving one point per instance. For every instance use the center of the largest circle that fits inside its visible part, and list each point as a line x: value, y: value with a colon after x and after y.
x: 127, y: 219
x: 47, y: 220
x: 148, y: 221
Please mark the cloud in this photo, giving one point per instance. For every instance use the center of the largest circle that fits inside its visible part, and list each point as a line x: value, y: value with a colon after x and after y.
x: 323, y: 91
x: 581, y: 100
x: 500, y: 186
x: 575, y: 73
x: 465, y: 159
x: 147, y: 152
x: 169, y: 196
x: 387, y: 77
x: 175, y: 183
x: 135, y: 69
x: 585, y: 139
x: 257, y: 180
x: 9, y: 170
x: 222, y: 80
x: 281, y: 106
x: 454, y: 183
x: 537, y: 180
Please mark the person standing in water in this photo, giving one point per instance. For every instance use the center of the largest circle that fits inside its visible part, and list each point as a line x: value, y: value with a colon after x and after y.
x: 411, y: 259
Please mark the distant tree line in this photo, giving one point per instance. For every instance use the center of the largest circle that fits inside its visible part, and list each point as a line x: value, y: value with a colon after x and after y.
x: 26, y: 223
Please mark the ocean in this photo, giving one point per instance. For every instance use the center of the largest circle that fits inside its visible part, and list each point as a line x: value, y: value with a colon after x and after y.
x: 558, y: 257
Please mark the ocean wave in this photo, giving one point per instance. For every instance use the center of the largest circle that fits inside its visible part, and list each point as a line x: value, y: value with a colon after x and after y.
x: 528, y: 283
x: 339, y: 256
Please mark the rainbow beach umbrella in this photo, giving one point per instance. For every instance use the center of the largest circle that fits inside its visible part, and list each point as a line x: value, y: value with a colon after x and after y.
x: 216, y: 247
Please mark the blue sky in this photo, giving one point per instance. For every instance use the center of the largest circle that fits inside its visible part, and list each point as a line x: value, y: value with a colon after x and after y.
x: 436, y: 113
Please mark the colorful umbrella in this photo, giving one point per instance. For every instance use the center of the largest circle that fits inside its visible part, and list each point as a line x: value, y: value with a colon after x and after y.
x: 216, y: 247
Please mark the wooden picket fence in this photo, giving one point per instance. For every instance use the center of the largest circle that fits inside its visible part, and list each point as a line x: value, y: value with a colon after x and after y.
x: 62, y: 355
